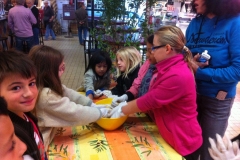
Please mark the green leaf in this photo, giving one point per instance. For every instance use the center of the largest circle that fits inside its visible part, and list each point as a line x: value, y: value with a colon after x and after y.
x: 96, y: 146
x: 93, y: 141
x: 148, y: 152
x: 137, y: 145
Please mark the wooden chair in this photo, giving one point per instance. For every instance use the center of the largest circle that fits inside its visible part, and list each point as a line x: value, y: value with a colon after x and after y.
x: 41, y: 30
x: 12, y: 39
x: 4, y: 43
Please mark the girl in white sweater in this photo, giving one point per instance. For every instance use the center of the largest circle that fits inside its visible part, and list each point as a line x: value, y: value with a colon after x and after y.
x: 57, y: 105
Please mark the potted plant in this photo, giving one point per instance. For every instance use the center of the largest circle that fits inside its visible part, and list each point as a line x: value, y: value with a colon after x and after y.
x: 131, y: 32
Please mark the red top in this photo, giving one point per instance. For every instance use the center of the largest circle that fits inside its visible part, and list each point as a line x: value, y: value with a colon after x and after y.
x: 38, y: 139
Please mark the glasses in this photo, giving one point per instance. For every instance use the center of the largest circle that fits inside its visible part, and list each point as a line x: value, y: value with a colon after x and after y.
x: 156, y: 47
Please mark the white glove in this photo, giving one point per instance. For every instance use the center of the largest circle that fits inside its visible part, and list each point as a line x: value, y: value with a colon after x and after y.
x: 97, y: 93
x: 117, y: 100
x: 107, y: 93
x: 99, y: 105
x: 221, y: 151
x: 27, y: 157
x: 105, y: 112
x: 117, y: 111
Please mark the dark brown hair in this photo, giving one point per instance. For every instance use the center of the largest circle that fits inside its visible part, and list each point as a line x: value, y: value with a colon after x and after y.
x: 15, y: 62
x: 3, y: 107
x: 221, y: 7
x: 47, y: 61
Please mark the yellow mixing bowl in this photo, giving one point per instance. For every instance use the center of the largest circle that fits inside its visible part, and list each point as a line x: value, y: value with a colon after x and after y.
x: 110, y: 123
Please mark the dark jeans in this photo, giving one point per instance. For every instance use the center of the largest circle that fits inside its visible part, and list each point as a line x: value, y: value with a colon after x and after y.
x: 80, y: 30
x: 193, y: 156
x: 213, y: 117
x: 35, y: 36
x: 20, y: 40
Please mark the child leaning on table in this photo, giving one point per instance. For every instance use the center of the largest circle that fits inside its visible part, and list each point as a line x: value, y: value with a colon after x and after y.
x: 147, y: 73
x: 57, y: 105
x: 18, y: 87
x: 128, y: 61
x: 172, y: 97
x: 97, y: 74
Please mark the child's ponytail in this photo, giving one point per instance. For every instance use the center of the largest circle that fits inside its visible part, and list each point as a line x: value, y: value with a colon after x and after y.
x: 188, y: 57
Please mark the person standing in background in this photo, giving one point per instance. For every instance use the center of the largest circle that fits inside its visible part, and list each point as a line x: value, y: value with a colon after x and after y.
x: 35, y: 27
x: 20, y: 20
x: 82, y: 20
x: 48, y: 17
x: 215, y: 29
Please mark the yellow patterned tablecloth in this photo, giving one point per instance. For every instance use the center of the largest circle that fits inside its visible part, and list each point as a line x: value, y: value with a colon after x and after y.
x: 138, y: 138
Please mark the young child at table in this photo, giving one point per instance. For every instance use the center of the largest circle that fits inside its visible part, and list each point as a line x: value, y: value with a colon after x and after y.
x: 146, y: 75
x: 128, y: 61
x: 57, y: 105
x: 172, y: 97
x: 97, y: 74
x: 11, y: 147
x: 18, y: 87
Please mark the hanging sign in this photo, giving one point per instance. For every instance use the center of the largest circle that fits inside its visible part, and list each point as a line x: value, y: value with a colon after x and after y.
x: 68, y: 12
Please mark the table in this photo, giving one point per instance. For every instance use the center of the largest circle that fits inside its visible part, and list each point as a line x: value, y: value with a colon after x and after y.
x: 138, y: 138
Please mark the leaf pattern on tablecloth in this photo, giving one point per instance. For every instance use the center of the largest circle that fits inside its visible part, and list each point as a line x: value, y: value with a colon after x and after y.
x: 99, y: 145
x: 62, y: 152
x: 60, y: 131
x: 142, y: 142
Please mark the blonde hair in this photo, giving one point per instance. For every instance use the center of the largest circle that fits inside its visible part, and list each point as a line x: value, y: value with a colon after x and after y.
x: 173, y: 36
x: 132, y: 58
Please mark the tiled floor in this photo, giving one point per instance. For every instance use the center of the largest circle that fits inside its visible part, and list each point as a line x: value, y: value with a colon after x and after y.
x: 72, y: 78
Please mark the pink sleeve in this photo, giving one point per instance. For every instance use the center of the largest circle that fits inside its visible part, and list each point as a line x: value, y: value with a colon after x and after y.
x: 165, y: 91
x: 137, y: 82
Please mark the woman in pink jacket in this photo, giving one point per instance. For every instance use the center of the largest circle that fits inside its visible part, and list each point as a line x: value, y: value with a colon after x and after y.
x: 172, y: 97
x: 142, y: 83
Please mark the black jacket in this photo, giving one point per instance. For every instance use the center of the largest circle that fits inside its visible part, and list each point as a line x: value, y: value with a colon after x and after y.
x: 124, y: 84
x: 82, y: 16
x: 47, y: 14
x: 25, y: 132
x: 35, y: 12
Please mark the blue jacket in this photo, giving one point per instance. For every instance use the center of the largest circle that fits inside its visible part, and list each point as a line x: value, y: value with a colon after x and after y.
x: 220, y: 36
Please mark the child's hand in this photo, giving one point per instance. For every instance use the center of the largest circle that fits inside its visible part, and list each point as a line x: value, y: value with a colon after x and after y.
x: 118, y: 100
x: 107, y: 93
x: 99, y: 105
x: 117, y: 111
x: 90, y: 96
x: 105, y: 112
x: 98, y: 93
